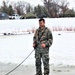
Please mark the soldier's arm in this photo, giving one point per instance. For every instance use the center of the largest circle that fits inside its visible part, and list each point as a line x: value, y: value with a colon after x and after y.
x: 34, y: 40
x: 35, y: 37
x: 49, y: 38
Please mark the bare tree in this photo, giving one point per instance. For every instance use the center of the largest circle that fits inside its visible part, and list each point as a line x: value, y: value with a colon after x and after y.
x: 54, y: 7
x: 20, y: 7
x: 29, y: 8
x: 64, y: 6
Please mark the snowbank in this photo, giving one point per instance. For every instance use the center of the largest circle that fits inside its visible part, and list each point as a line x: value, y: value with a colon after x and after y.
x: 18, y: 26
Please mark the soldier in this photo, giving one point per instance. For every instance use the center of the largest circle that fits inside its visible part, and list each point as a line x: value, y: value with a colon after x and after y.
x: 42, y: 40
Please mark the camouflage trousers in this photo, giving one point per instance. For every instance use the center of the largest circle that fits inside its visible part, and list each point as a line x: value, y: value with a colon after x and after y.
x: 42, y: 54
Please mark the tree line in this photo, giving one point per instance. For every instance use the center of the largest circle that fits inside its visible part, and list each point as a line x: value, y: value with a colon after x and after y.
x: 51, y: 8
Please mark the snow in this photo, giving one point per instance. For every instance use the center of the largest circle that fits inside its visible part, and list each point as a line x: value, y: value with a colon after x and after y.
x: 28, y: 24
x: 63, y: 49
x: 15, y: 48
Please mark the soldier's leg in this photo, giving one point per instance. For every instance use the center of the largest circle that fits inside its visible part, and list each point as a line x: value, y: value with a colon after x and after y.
x: 38, y: 64
x: 45, y: 58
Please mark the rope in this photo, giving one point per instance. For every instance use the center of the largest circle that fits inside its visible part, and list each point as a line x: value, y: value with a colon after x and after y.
x: 19, y: 64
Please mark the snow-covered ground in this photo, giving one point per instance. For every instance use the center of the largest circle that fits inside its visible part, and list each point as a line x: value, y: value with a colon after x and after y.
x: 21, y: 26
x: 14, y: 48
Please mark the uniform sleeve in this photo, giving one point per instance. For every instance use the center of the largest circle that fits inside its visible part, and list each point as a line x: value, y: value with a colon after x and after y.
x: 34, y: 38
x: 49, y: 38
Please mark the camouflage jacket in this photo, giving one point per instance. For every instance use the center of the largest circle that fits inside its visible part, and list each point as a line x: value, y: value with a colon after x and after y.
x: 43, y: 36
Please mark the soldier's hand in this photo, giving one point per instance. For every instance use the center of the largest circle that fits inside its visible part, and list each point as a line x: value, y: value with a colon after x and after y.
x: 34, y: 45
x: 43, y: 45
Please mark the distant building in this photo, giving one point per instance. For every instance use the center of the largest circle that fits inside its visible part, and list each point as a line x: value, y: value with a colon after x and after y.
x: 3, y: 16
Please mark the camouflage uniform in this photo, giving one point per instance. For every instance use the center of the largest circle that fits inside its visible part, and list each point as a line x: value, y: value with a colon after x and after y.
x: 42, y: 36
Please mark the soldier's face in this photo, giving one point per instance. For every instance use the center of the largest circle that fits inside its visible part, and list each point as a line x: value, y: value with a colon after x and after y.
x: 41, y: 23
